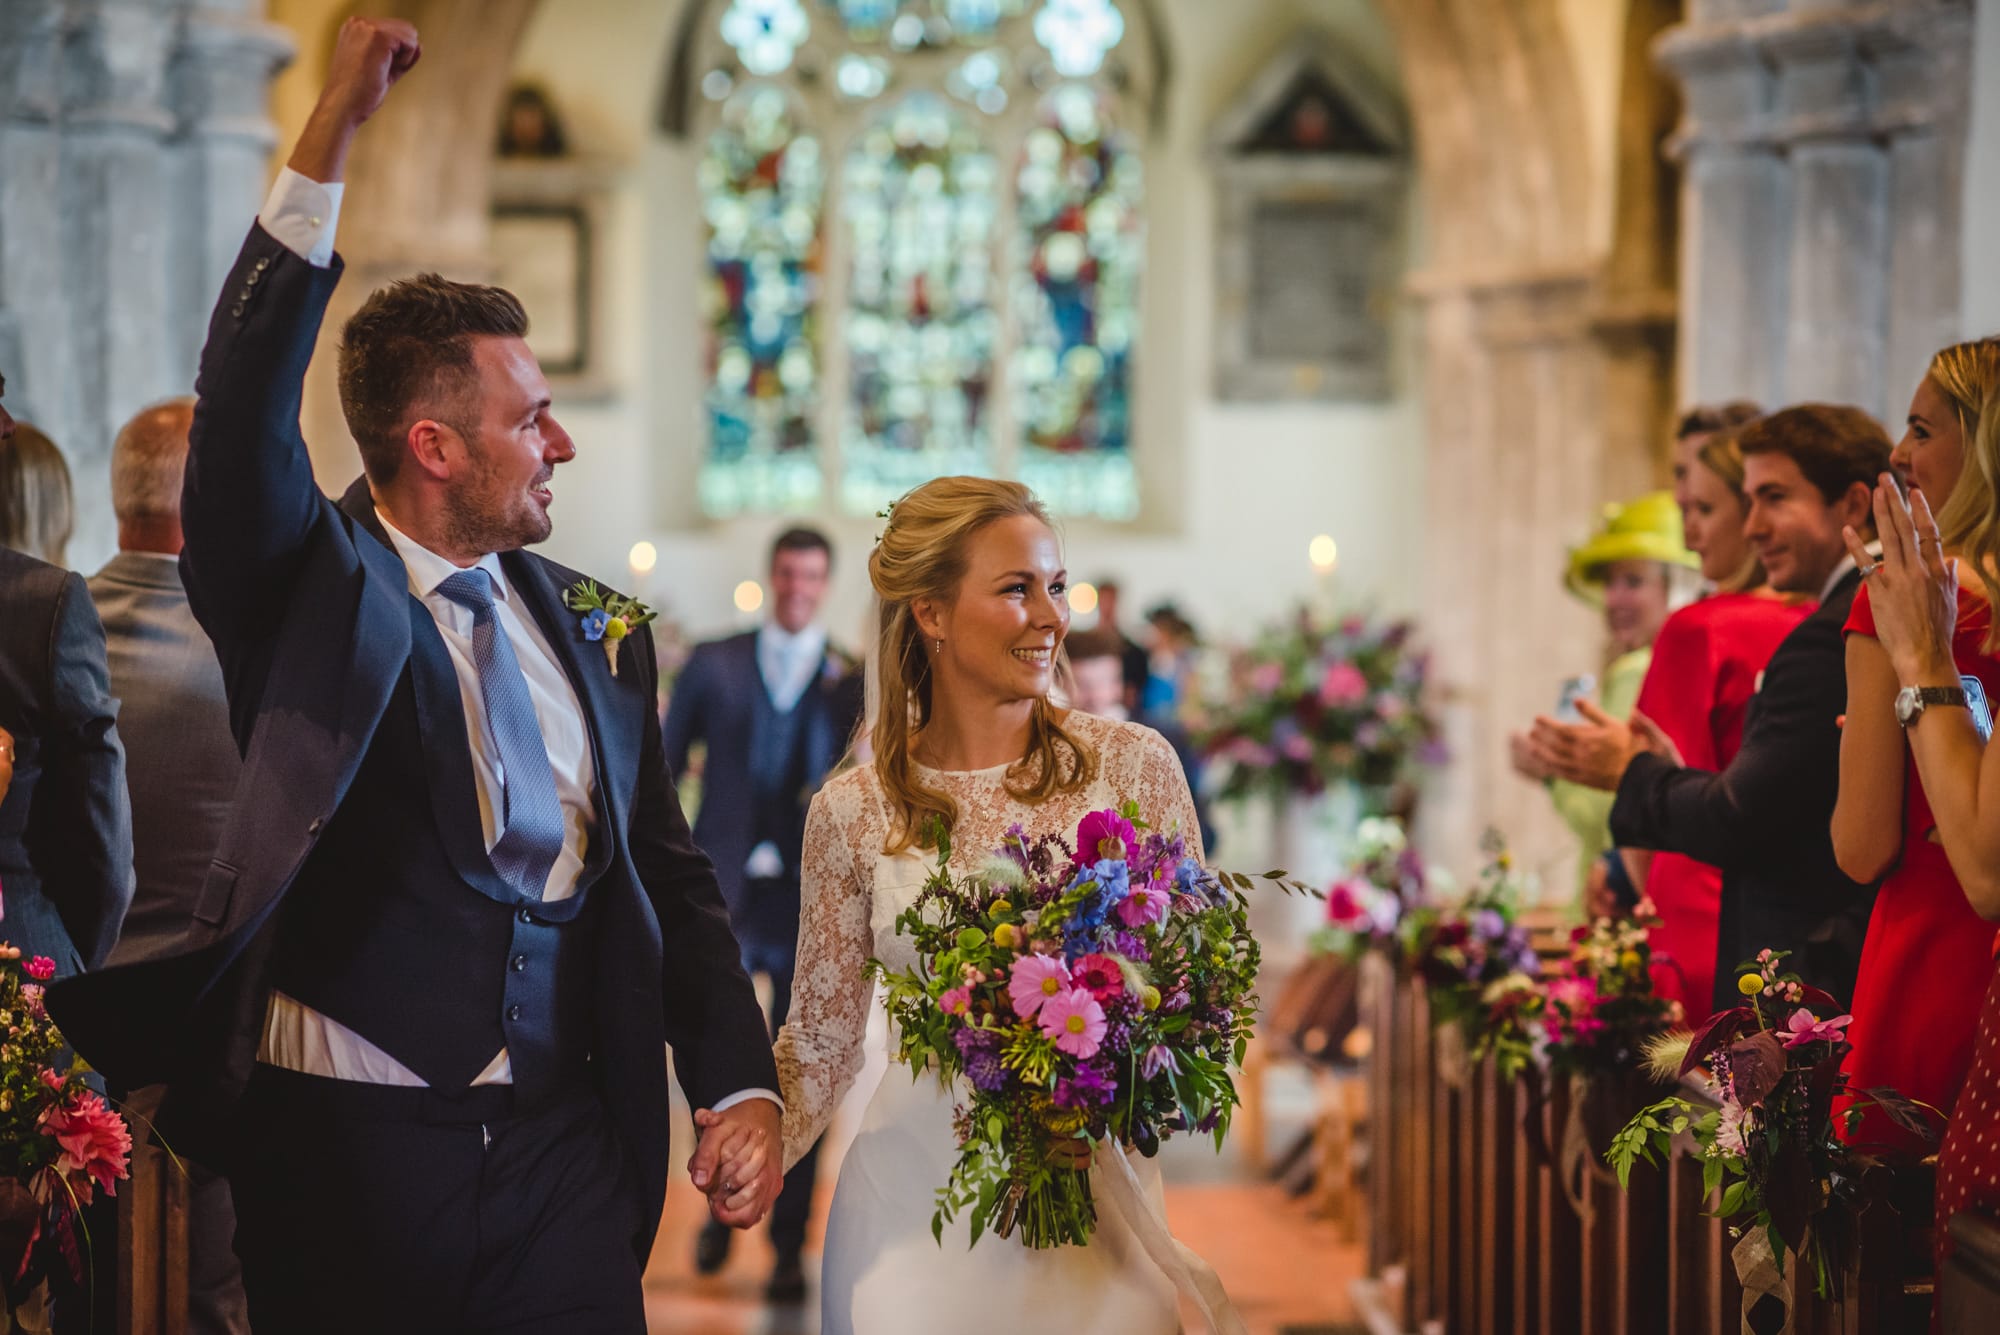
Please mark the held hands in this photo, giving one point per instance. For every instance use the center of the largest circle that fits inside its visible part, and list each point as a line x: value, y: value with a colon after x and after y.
x: 737, y: 1162
x: 369, y: 56
x: 1914, y: 591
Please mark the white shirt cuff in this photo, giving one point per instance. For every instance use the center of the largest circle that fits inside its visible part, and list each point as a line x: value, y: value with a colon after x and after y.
x: 744, y: 1096
x: 301, y: 212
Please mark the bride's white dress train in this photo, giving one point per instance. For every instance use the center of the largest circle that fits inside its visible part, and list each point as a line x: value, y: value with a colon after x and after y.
x: 883, y: 1272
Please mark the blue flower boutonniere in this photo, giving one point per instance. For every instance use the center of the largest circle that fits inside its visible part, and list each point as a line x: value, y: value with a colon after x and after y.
x: 607, y: 617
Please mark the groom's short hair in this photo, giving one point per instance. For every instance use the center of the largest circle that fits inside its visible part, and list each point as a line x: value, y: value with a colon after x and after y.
x: 410, y: 347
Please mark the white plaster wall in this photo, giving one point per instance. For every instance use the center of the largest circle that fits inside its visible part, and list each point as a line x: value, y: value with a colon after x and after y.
x: 1234, y: 492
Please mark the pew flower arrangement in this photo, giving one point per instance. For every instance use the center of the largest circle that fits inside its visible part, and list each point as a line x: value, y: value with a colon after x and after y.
x: 1384, y: 882
x: 1314, y: 703
x: 1464, y: 952
x: 60, y: 1142
x: 1601, y: 1008
x: 1773, y: 1065
x: 1073, y: 995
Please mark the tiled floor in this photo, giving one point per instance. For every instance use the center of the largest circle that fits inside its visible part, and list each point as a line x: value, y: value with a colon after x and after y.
x: 1281, y: 1266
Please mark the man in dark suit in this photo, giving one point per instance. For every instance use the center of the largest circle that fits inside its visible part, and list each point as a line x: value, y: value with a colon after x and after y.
x: 776, y: 708
x: 181, y: 769
x: 65, y: 826
x: 1765, y: 820
x: 457, y: 916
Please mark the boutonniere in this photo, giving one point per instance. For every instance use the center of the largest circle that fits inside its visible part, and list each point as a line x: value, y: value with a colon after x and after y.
x: 607, y: 617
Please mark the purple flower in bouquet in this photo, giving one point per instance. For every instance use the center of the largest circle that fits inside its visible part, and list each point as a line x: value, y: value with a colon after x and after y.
x: 1075, y: 1021
x: 1034, y: 981
x: 1490, y: 924
x: 1091, y: 1087
x: 1343, y: 686
x: 1130, y: 946
x: 1158, y: 1059
x: 1805, y: 1027
x: 981, y: 1050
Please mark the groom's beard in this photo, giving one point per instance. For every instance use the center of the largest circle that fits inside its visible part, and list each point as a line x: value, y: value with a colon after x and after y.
x: 486, y: 513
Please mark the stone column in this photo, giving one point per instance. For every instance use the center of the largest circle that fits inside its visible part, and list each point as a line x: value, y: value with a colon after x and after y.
x: 1824, y: 147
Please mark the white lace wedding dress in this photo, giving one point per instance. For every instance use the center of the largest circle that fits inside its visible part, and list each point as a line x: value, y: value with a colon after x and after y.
x: 883, y: 1272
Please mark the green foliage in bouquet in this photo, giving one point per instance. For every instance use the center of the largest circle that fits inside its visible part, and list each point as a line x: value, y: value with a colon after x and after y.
x: 1312, y: 704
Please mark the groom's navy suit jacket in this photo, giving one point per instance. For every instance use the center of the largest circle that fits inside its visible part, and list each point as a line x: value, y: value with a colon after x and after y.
x: 311, y: 616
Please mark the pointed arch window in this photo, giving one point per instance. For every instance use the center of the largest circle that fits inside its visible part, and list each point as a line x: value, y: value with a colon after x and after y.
x: 925, y: 244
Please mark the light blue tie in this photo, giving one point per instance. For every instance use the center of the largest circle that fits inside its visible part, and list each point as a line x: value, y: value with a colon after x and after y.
x: 532, y: 830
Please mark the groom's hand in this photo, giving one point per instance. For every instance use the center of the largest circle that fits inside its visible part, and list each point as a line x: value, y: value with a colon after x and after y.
x: 738, y: 1162
x: 369, y: 56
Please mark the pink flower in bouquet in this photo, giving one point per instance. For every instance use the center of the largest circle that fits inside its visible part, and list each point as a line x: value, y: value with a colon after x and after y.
x: 1729, y: 1129
x: 96, y: 1144
x: 41, y: 968
x: 1343, y: 905
x: 956, y: 1002
x: 52, y: 1079
x: 1390, y: 707
x: 1099, y: 975
x: 1573, y: 1002
x: 1343, y: 685
x: 1266, y: 678
x: 1296, y: 747
x: 1035, y: 980
x: 1145, y: 905
x: 1100, y: 829
x: 32, y: 997
x: 1805, y: 1027
x: 1075, y: 1021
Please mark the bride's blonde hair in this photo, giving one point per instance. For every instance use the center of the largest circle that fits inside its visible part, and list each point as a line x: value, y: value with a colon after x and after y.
x: 922, y: 554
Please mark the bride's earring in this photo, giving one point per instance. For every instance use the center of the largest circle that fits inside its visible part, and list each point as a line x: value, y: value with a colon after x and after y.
x: 940, y: 647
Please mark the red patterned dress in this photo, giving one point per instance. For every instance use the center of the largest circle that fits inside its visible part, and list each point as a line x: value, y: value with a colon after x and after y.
x: 1707, y: 663
x: 1927, y: 954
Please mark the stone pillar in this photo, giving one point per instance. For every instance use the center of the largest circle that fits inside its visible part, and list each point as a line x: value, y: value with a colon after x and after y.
x: 1824, y: 148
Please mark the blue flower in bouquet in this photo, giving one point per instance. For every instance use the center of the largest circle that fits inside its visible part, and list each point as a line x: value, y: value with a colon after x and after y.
x: 1111, y: 881
x: 1489, y: 924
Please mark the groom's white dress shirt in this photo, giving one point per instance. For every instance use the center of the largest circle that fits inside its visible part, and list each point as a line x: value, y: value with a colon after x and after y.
x: 300, y: 214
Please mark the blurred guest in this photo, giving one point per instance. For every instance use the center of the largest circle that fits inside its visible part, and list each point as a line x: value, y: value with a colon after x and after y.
x: 777, y: 708
x: 1628, y: 570
x: 1927, y: 950
x: 1919, y: 621
x: 1132, y: 656
x: 181, y: 769
x: 1706, y: 664
x: 65, y: 828
x: 36, y: 514
x: 1169, y: 663
x: 1692, y: 432
x: 1763, y: 818
x: 1097, y: 686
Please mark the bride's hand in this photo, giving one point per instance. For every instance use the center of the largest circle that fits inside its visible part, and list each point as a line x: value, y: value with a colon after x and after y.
x: 736, y: 1162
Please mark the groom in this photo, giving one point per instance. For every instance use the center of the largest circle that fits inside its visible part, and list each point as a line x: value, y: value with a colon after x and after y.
x: 456, y: 917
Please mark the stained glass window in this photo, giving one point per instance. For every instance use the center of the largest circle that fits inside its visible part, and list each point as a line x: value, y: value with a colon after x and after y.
x: 918, y: 193
x: 975, y: 297
x: 761, y: 186
x: 1076, y: 304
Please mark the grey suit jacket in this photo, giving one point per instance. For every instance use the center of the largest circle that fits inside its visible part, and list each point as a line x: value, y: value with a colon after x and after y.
x: 180, y: 760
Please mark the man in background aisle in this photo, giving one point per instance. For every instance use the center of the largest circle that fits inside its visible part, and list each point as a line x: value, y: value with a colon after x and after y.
x: 181, y: 767
x: 776, y: 708
x: 1132, y: 656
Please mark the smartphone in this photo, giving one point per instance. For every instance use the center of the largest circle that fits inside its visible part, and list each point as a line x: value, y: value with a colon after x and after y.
x: 1975, y: 700
x: 1573, y: 690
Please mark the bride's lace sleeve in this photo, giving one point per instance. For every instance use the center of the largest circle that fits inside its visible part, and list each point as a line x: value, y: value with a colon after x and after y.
x: 1159, y: 785
x: 819, y: 1050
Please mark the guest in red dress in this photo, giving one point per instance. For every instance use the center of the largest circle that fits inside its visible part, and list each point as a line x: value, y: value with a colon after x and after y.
x: 1706, y: 665
x: 1927, y: 953
x: 1914, y: 594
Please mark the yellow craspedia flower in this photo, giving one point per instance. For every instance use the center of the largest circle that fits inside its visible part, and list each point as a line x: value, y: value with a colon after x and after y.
x: 1630, y: 961
x: 1750, y: 984
x: 1006, y: 936
x: 1149, y: 997
x: 1000, y: 906
x: 615, y: 628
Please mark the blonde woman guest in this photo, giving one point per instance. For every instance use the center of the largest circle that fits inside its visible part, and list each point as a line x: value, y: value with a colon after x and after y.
x: 1630, y: 569
x: 1706, y: 665
x: 36, y: 512
x: 974, y: 610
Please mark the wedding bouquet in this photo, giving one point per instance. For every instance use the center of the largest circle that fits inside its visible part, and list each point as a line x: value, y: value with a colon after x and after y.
x: 1462, y: 954
x: 1385, y: 880
x: 1311, y: 704
x: 1073, y: 994
x: 60, y: 1143
x: 1601, y: 1008
x: 1773, y: 1067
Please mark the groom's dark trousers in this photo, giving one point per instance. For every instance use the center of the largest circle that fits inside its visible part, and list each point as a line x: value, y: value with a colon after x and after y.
x: 353, y: 877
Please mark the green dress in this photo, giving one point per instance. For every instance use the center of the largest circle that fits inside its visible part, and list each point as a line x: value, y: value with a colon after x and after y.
x: 1587, y: 811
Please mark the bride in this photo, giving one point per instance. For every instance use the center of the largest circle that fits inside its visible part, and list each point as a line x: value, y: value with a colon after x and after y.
x: 973, y: 611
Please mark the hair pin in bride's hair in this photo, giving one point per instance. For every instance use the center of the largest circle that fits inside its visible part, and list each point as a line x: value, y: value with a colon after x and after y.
x: 887, y: 512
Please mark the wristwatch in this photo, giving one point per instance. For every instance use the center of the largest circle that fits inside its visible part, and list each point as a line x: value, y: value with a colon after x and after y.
x: 1912, y: 701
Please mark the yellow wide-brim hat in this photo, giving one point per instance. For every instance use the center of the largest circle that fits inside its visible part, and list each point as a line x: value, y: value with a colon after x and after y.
x: 1647, y: 528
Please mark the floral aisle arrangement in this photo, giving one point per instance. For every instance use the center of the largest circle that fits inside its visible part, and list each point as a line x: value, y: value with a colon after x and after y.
x: 1313, y: 703
x: 1773, y: 1065
x: 1601, y: 1010
x: 1479, y: 948
x: 1385, y: 881
x: 60, y: 1142
x: 1073, y: 994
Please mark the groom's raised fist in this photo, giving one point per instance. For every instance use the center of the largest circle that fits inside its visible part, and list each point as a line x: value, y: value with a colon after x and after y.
x: 368, y: 57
